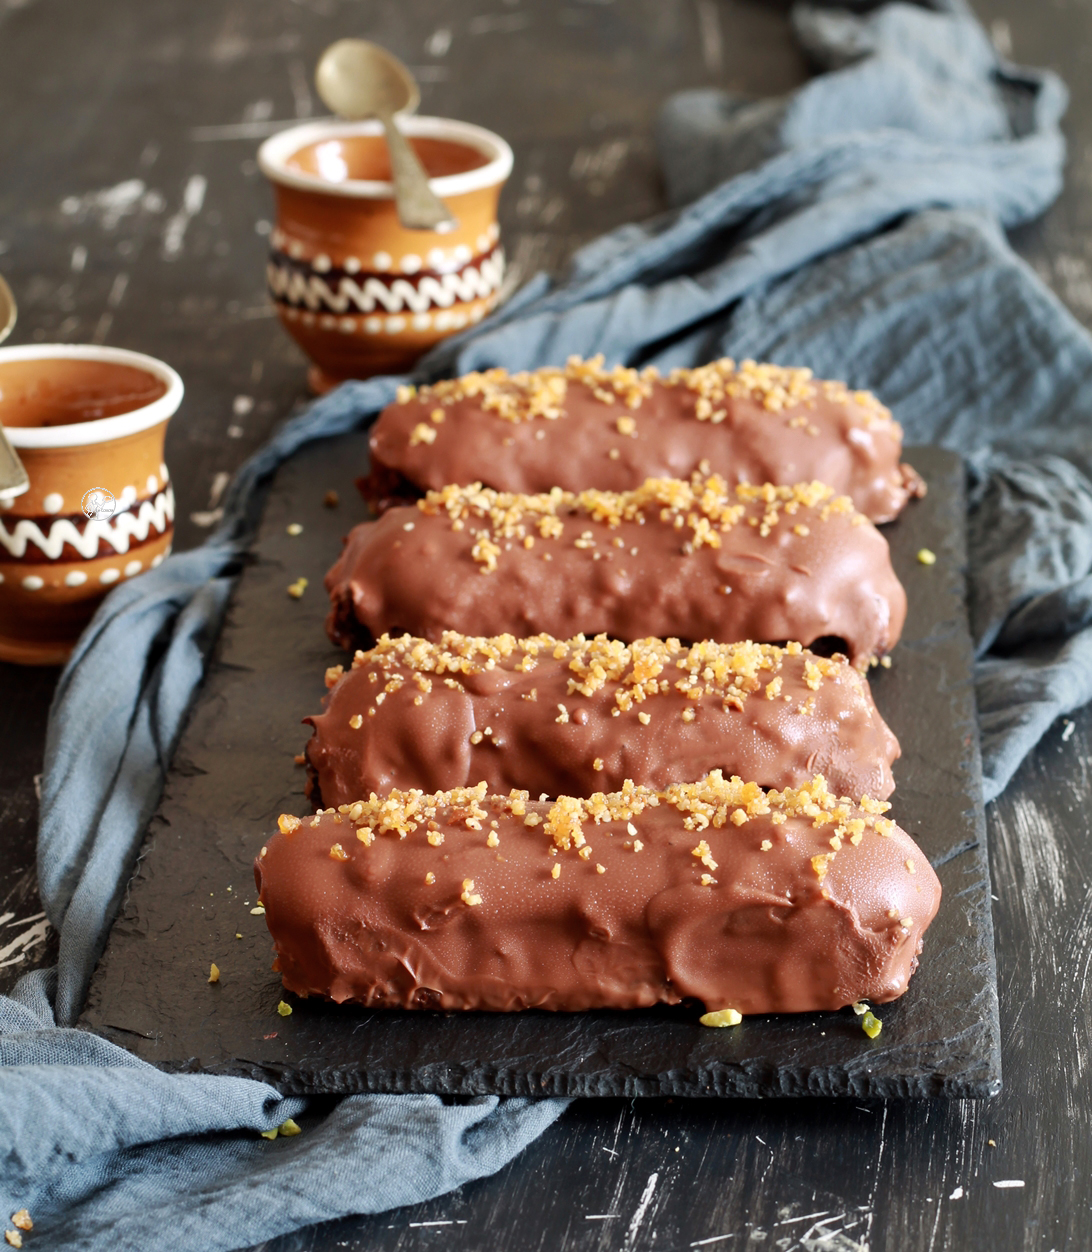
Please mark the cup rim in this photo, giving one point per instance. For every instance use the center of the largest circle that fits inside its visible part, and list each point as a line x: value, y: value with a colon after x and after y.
x: 100, y: 429
x: 274, y: 153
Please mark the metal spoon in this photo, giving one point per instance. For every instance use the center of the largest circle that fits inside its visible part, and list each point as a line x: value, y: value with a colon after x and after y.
x: 358, y: 79
x: 13, y: 478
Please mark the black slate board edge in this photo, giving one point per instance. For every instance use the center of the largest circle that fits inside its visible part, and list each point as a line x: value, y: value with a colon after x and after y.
x: 150, y: 992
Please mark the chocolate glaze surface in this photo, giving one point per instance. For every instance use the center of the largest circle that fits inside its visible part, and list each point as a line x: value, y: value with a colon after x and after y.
x: 712, y: 891
x: 580, y: 716
x: 584, y: 426
x: 692, y: 561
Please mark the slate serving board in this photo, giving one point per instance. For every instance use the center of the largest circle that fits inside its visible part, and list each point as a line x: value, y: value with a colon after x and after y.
x: 190, y: 898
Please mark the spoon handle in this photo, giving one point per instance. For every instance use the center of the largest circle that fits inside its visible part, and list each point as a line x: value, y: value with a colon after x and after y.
x: 13, y: 477
x: 418, y: 207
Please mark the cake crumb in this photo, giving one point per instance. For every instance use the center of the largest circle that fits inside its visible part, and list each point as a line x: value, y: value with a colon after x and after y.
x: 722, y: 1017
x: 600, y: 869
x: 338, y: 853
x: 927, y: 557
x: 644, y: 718
x: 294, y: 528
x: 331, y: 499
x: 430, y: 879
x: 296, y: 589
x: 469, y: 896
x: 22, y: 1220
x: 356, y: 721
x: 555, y: 872
x: 288, y: 1128
x: 14, y: 1238
x: 214, y: 972
x: 766, y: 845
x: 284, y: 1009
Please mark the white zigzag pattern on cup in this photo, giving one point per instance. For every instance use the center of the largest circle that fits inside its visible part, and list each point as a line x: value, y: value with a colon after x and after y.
x: 311, y: 290
x: 119, y: 531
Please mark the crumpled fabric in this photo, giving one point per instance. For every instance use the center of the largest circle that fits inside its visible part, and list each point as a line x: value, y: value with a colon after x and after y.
x: 857, y: 227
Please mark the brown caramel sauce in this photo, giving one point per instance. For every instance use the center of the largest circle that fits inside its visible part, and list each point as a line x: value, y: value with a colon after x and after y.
x: 365, y: 158
x: 64, y: 391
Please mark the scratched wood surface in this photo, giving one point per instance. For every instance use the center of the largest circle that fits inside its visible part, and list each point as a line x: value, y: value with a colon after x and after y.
x: 131, y: 213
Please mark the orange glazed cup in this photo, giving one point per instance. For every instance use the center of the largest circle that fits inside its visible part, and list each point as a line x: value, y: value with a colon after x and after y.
x: 88, y: 424
x: 358, y: 292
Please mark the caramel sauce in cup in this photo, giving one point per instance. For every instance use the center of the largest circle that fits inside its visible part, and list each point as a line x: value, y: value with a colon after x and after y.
x: 89, y: 426
x: 360, y: 293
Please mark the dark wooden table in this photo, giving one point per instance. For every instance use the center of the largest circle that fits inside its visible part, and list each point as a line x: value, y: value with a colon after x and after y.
x: 132, y: 213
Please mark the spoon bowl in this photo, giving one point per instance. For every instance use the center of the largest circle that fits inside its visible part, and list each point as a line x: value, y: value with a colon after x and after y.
x: 13, y: 477
x: 357, y: 79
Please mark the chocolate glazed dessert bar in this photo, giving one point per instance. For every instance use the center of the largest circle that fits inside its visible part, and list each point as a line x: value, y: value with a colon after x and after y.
x: 584, y: 426
x: 577, y: 716
x: 714, y: 891
x: 697, y: 560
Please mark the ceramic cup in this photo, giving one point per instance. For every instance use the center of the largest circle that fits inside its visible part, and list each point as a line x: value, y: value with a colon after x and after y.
x: 359, y: 292
x: 88, y: 424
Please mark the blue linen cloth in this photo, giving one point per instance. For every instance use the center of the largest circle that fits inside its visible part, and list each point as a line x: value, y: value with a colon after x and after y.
x: 856, y: 227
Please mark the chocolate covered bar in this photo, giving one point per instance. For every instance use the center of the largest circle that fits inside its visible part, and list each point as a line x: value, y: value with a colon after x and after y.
x: 715, y: 892
x: 582, y: 715
x: 689, y: 560
x: 586, y: 426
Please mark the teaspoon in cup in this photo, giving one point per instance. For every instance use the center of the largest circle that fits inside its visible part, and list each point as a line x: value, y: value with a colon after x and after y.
x: 358, y: 79
x: 13, y: 477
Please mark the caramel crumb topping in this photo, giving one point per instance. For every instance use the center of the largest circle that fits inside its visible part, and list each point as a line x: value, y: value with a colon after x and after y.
x: 287, y: 824
x: 338, y: 853
x: 468, y: 895
x: 541, y: 394
x: 430, y: 879
x: 356, y: 721
x: 641, y: 670
x: 422, y: 433
x: 766, y: 845
x: 556, y: 871
x: 705, y: 507
x: 600, y: 869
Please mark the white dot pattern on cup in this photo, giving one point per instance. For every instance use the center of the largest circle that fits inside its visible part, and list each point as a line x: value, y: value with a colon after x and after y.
x: 410, y: 263
x: 321, y: 263
x: 133, y: 567
x: 152, y: 484
x: 1, y: 578
x: 109, y: 576
x: 482, y: 242
x: 327, y: 322
x: 33, y: 583
x: 461, y: 254
x: 295, y: 250
x: 128, y: 495
x: 157, y: 560
x: 75, y: 578
x: 373, y: 325
x: 395, y: 325
x: 437, y: 258
x: 422, y: 321
x: 442, y: 320
x: 382, y: 260
x: 347, y: 325
x: 163, y: 473
x: 351, y: 265
x: 54, y: 502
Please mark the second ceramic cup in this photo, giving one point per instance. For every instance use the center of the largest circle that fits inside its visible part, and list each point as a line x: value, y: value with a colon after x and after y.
x: 360, y: 293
